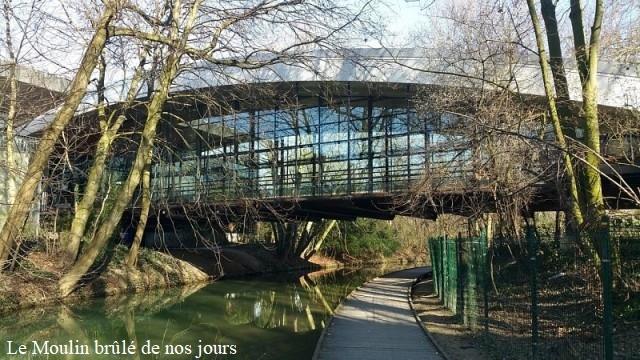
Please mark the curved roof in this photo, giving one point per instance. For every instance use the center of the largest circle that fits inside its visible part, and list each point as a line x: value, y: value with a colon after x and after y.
x: 618, y: 84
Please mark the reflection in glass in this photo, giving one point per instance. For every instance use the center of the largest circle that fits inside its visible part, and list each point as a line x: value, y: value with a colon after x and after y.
x: 322, y: 143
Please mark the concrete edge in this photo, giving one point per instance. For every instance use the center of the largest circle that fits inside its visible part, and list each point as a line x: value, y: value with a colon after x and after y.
x: 444, y: 354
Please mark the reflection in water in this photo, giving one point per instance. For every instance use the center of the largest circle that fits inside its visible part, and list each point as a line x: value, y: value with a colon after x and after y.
x: 262, y: 318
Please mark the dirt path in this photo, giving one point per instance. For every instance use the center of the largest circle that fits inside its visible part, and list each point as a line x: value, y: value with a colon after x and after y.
x: 452, y: 337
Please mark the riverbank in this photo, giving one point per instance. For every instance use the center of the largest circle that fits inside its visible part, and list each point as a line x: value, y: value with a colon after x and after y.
x: 277, y: 316
x: 33, y: 282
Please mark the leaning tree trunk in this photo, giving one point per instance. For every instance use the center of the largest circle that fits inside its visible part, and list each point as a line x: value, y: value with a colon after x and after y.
x: 132, y: 256
x: 109, y: 132
x: 319, y: 241
x: 70, y: 280
x: 19, y: 211
x: 11, y: 161
x: 304, y: 238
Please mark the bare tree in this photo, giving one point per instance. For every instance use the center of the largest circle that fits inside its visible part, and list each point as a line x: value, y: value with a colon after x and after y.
x: 485, y: 135
x: 110, y: 125
x: 619, y: 41
x: 39, y: 161
x: 235, y: 40
x: 501, y: 41
x: 588, y: 205
x: 26, y: 93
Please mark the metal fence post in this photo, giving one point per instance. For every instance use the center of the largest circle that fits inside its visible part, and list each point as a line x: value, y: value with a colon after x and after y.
x: 461, y: 278
x: 452, y: 287
x: 533, y: 250
x: 485, y: 284
x: 434, y: 267
x: 443, y: 268
x: 607, y: 278
x: 472, y: 283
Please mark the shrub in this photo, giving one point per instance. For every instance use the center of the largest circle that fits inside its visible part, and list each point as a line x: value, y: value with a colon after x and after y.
x: 365, y: 239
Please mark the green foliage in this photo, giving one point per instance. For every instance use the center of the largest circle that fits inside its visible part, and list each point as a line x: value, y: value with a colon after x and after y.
x: 111, y: 186
x: 117, y: 252
x: 365, y: 239
x: 626, y: 221
x: 628, y: 309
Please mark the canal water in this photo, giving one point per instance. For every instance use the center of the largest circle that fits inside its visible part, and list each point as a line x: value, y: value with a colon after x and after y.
x: 275, y: 317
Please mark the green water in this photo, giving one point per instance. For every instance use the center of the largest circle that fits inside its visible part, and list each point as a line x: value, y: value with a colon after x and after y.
x: 278, y: 317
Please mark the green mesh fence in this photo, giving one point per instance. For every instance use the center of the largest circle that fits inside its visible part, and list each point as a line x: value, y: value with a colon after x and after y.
x: 545, y: 298
x: 625, y: 240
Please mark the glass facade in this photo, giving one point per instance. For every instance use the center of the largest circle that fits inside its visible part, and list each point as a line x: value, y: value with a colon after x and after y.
x: 334, y: 142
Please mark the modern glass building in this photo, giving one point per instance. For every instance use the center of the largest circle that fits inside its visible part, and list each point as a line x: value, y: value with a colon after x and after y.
x: 351, y: 129
x: 308, y: 139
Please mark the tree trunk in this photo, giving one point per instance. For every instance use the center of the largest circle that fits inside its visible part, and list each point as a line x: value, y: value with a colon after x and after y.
x: 307, y: 237
x: 590, y: 207
x: 587, y: 59
x: 320, y: 240
x: 294, y: 240
x: 592, y: 181
x: 593, y: 186
x: 132, y: 256
x: 10, y: 141
x: 11, y: 108
x: 555, y: 118
x: 91, y: 190
x: 11, y: 181
x: 566, y: 109
x: 86, y: 204
x: 548, y: 9
x: 23, y: 200
x: 11, y: 161
x: 70, y: 280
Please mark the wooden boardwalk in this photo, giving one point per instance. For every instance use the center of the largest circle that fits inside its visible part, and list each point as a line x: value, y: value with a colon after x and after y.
x: 376, y: 322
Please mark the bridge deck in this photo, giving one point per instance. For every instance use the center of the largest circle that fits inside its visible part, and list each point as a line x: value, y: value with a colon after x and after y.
x: 376, y: 322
